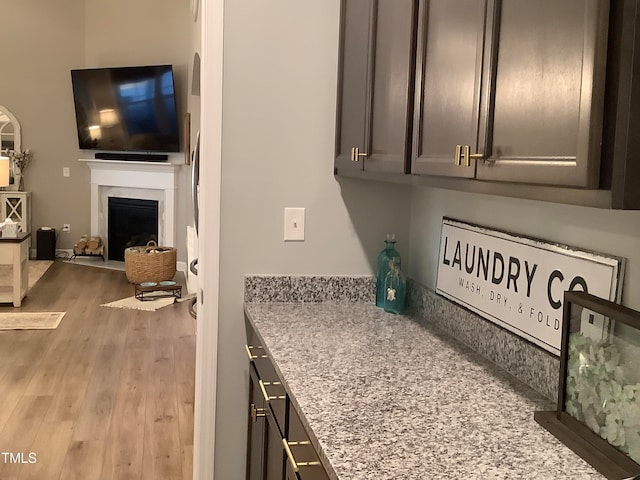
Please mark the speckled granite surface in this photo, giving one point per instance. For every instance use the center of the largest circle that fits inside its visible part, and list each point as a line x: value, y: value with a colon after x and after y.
x: 386, y: 397
x: 309, y: 288
x: 529, y: 363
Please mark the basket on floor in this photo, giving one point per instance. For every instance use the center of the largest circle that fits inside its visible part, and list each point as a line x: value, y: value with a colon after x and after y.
x: 149, y: 263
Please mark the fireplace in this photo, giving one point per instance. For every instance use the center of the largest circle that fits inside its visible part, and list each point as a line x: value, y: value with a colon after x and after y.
x: 155, y: 181
x: 131, y: 222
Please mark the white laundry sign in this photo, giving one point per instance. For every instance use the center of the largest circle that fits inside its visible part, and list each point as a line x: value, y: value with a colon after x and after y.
x: 519, y: 282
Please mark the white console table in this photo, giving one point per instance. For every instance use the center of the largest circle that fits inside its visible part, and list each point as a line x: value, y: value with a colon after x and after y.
x: 17, y: 207
x: 15, y: 252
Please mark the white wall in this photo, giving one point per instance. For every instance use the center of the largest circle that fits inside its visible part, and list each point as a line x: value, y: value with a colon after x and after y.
x: 607, y: 231
x: 279, y: 100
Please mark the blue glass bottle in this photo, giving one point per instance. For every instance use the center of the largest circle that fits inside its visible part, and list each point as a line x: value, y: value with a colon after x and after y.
x: 389, y: 253
x: 395, y: 288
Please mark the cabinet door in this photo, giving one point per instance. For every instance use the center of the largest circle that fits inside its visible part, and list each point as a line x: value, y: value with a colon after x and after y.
x: 448, y: 83
x: 354, y: 80
x: 375, y: 91
x: 301, y: 452
x: 389, y: 142
x: 256, y: 429
x: 545, y: 78
x: 274, y: 450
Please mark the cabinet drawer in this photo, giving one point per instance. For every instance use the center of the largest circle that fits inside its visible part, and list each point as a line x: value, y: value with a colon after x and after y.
x: 268, y: 381
x: 303, y: 462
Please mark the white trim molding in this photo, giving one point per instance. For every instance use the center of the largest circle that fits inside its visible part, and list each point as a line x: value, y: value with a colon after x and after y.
x: 212, y: 15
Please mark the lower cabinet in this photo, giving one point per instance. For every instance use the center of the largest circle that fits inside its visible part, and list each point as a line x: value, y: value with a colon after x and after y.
x: 302, y: 460
x: 273, y: 450
x: 278, y: 446
x: 265, y: 450
x: 257, y: 429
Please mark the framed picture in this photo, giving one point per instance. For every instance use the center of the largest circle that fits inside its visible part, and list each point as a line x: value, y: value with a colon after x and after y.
x: 598, y: 410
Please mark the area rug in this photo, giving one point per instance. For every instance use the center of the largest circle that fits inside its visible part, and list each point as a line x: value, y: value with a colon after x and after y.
x: 30, y: 320
x: 150, y: 305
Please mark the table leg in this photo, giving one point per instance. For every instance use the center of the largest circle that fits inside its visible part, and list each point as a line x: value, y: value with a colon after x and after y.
x: 17, y: 274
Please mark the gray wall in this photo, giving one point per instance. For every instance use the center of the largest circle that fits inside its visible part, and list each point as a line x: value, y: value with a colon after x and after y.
x: 279, y: 97
x: 607, y: 231
x: 42, y: 41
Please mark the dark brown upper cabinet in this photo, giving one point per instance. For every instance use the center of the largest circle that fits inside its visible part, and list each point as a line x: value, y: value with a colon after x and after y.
x: 528, y: 99
x: 375, y: 85
x: 448, y: 86
x: 511, y: 90
x: 544, y: 78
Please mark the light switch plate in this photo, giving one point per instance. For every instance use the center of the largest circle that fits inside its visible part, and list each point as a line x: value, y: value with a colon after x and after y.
x: 293, y: 224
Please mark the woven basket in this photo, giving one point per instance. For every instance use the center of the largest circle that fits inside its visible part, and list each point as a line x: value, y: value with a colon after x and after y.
x: 149, y: 263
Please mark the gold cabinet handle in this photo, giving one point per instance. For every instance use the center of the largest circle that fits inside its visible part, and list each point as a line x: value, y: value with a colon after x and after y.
x: 468, y: 156
x: 257, y: 413
x: 251, y: 356
x: 292, y: 461
x: 356, y: 154
x: 267, y: 397
x: 457, y: 159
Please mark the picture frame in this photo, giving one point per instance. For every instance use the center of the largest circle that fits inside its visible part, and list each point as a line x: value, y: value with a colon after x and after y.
x: 597, y: 414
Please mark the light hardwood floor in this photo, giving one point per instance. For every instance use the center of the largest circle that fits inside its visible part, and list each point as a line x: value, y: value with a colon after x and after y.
x: 108, y: 395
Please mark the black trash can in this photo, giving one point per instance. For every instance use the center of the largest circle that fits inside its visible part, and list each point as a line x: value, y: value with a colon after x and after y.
x: 46, y: 244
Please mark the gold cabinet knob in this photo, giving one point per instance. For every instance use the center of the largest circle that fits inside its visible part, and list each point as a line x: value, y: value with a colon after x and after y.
x: 457, y: 158
x: 467, y: 156
x: 257, y: 413
x: 356, y: 154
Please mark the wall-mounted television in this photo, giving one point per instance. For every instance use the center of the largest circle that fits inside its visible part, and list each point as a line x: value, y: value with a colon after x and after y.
x: 126, y: 109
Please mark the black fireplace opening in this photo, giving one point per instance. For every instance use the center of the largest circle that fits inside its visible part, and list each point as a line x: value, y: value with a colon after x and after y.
x: 131, y: 222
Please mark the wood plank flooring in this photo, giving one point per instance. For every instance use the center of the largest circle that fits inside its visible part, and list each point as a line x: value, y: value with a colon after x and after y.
x: 108, y: 395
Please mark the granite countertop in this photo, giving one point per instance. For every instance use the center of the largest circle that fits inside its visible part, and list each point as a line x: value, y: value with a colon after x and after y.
x: 388, y: 398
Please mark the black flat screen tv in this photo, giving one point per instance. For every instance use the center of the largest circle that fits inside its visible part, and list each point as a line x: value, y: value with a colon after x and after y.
x: 126, y: 109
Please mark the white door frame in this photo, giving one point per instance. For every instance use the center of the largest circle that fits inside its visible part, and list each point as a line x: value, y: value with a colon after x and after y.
x: 209, y: 238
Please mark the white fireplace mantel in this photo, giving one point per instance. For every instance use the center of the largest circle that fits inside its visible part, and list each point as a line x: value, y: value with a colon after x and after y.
x: 155, y: 180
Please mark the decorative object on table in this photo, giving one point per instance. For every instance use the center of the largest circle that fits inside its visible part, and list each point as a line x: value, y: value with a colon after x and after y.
x: 389, y: 253
x: 598, y: 411
x: 88, y: 246
x: 9, y: 228
x: 395, y: 287
x: 30, y: 320
x: 20, y: 161
x: 5, y: 163
x: 10, y: 140
x: 150, y: 263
